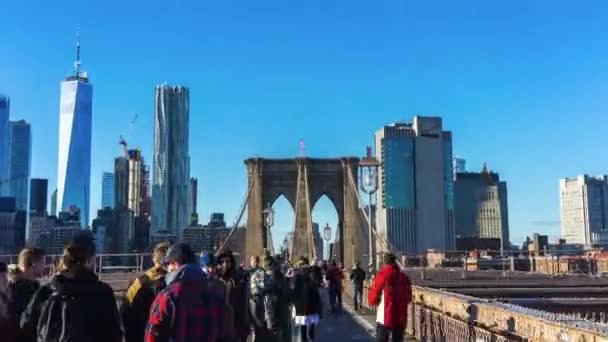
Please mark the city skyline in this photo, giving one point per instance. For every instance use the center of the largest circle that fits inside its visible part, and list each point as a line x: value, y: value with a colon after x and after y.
x: 480, y: 90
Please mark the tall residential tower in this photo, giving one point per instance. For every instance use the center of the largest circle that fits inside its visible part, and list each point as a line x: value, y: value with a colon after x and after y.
x: 74, y: 163
x: 415, y: 196
x: 171, y: 196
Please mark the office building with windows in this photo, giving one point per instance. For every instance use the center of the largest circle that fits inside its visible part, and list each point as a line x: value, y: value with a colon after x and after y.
x: 20, y: 160
x: 5, y: 106
x: 481, y: 207
x: 584, y: 209
x: 38, y: 196
x: 107, y: 190
x: 415, y: 195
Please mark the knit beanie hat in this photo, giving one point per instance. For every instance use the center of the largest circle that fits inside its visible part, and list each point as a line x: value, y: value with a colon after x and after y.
x: 267, y: 260
x: 302, y: 262
x: 206, y: 259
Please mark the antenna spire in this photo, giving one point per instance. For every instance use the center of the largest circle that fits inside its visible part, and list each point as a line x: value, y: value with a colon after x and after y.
x: 77, y: 62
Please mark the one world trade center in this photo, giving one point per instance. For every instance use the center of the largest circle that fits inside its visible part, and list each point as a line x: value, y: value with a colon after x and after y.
x: 74, y: 162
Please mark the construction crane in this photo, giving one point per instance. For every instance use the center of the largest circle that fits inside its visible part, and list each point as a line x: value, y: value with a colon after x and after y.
x: 123, y: 142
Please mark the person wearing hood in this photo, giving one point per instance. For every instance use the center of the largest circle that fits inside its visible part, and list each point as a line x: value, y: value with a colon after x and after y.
x: 190, y: 308
x: 22, y: 285
x: 74, y: 303
x: 235, y: 286
x: 141, y: 293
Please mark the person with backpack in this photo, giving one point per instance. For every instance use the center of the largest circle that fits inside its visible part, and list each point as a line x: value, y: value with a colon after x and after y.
x: 268, y: 302
x: 391, y: 292
x: 22, y: 286
x: 357, y: 278
x: 190, y: 308
x: 141, y: 293
x: 75, y: 306
x: 306, y: 302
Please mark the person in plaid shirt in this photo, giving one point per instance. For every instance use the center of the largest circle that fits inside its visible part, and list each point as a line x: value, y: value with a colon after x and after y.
x: 190, y: 308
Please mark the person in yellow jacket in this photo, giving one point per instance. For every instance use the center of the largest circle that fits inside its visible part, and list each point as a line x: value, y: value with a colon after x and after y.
x: 140, y: 294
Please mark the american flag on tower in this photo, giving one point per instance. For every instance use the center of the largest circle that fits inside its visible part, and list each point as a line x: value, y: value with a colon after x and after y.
x: 302, y: 148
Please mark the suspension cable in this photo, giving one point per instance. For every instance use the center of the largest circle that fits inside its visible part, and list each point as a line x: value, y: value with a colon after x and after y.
x: 241, y: 212
x: 386, y: 244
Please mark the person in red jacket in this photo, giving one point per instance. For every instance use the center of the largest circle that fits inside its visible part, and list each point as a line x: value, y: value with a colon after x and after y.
x: 391, y: 292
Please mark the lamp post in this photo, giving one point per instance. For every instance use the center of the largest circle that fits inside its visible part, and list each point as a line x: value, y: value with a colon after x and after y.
x: 268, y: 216
x: 327, y: 237
x: 368, y: 173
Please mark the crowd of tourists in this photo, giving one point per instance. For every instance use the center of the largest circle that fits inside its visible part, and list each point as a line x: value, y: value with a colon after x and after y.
x: 185, y: 297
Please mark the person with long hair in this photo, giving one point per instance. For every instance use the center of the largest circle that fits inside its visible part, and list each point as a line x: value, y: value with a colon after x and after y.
x: 235, y: 284
x: 75, y: 303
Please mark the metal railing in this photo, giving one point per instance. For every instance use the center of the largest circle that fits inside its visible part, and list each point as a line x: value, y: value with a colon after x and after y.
x: 104, y: 263
x: 438, y: 315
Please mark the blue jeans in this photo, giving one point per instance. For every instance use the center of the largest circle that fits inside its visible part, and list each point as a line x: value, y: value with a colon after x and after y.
x: 357, y: 296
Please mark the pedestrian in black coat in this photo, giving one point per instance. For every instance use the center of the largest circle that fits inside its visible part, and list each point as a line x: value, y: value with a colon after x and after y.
x: 21, y: 288
x: 306, y: 301
x: 75, y: 302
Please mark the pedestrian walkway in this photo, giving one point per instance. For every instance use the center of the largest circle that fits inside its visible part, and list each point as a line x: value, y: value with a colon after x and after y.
x: 365, y: 318
x: 343, y: 327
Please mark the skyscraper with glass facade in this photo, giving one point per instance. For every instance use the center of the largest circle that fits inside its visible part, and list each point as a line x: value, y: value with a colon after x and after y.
x: 74, y: 162
x: 416, y: 192
x: 38, y: 196
x: 5, y: 106
x: 19, y: 162
x: 107, y: 190
x: 171, y: 207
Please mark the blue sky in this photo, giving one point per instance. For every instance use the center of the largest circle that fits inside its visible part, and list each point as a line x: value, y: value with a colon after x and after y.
x: 521, y: 84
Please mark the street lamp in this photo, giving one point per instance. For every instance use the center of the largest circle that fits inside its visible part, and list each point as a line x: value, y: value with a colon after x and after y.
x: 268, y: 216
x: 327, y: 237
x: 368, y: 173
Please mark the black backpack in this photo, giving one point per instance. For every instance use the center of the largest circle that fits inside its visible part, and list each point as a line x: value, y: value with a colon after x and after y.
x: 62, y: 320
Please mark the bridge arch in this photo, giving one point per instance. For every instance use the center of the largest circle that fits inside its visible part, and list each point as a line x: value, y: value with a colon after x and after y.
x: 303, y: 181
x: 324, y: 212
